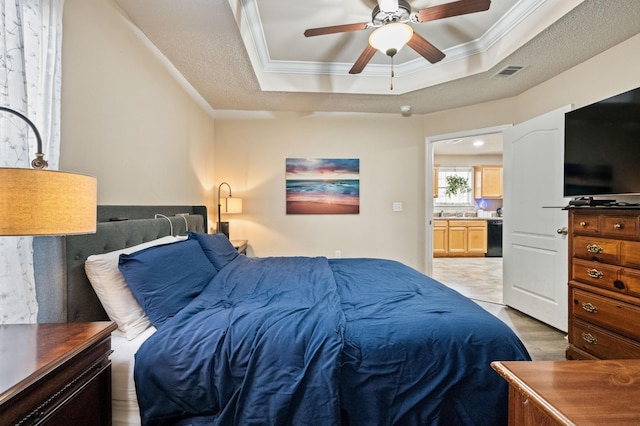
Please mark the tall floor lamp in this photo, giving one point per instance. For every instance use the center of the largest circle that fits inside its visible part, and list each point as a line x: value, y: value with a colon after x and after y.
x: 45, y: 202
x: 227, y: 205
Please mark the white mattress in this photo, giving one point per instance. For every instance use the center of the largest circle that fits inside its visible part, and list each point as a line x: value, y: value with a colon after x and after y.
x: 125, y: 409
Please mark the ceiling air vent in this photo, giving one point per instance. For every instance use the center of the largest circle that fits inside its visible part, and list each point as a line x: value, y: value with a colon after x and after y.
x: 508, y: 71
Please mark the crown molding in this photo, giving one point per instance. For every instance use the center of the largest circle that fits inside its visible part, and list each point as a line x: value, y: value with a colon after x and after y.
x: 525, y: 20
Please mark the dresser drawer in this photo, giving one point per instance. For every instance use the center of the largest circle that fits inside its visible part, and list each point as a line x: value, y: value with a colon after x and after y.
x: 597, y: 249
x: 619, y: 226
x: 601, y: 343
x: 595, y: 273
x: 609, y: 313
x: 628, y: 282
x: 586, y: 224
x: 630, y: 254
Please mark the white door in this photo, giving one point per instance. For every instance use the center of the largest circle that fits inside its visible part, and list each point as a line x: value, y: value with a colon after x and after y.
x: 534, y: 253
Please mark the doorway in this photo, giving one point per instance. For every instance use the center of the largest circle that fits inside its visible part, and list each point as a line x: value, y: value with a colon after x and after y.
x: 534, y: 262
x: 477, y: 277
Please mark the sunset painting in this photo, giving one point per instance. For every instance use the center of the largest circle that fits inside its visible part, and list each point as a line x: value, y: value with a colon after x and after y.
x: 323, y: 186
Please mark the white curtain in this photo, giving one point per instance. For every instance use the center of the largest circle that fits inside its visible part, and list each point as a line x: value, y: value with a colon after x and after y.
x: 30, y: 80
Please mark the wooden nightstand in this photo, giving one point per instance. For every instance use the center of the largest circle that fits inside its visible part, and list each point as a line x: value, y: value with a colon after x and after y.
x: 56, y: 374
x: 240, y: 245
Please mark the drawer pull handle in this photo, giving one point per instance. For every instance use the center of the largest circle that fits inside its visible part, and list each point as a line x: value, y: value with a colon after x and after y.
x: 583, y: 224
x: 618, y: 226
x: 589, y: 338
x: 594, y: 248
x: 589, y: 307
x: 594, y: 273
x: 618, y: 284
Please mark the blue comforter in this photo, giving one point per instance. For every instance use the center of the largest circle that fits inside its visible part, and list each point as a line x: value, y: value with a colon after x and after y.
x: 308, y: 341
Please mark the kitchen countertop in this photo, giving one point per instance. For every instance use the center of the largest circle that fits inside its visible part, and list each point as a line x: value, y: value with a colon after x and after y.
x: 465, y: 218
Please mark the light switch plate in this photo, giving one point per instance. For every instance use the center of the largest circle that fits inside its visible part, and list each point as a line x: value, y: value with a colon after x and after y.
x: 397, y: 206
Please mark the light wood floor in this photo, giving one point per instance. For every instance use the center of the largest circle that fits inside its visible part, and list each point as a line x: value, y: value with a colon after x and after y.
x: 480, y: 279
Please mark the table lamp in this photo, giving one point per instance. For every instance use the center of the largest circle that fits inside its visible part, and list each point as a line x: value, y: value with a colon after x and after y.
x: 227, y: 205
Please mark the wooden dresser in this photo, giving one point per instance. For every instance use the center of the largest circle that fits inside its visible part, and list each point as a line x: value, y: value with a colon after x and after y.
x: 604, y: 283
x: 572, y: 392
x: 55, y: 374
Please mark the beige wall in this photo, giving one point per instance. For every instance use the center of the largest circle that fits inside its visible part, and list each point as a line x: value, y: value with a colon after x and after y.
x: 612, y: 72
x: 608, y: 74
x: 466, y: 160
x: 125, y: 117
x: 250, y: 156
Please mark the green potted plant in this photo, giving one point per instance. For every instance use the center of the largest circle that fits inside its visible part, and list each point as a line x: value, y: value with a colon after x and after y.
x: 457, y: 185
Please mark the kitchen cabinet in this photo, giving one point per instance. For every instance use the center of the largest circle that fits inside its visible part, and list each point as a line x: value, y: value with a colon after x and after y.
x: 439, y: 237
x: 459, y: 237
x: 487, y: 181
x: 477, y: 238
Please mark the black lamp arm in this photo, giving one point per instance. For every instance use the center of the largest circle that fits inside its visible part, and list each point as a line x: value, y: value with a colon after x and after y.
x: 39, y: 162
x: 219, y: 205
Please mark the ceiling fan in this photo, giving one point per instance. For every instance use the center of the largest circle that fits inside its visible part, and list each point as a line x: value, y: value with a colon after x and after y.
x: 390, y: 18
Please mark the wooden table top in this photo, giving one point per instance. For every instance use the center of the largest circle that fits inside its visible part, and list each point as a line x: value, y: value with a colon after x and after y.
x: 28, y: 351
x: 579, y: 392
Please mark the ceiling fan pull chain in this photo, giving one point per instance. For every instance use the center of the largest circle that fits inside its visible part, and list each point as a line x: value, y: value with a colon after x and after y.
x: 392, y: 74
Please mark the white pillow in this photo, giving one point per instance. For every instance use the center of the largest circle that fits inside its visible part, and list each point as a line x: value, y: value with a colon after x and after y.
x: 113, y: 291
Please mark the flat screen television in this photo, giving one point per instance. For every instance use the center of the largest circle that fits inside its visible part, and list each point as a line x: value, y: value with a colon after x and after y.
x: 602, y: 147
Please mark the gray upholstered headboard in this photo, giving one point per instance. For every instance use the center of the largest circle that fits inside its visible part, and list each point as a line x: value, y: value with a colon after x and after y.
x: 140, y: 226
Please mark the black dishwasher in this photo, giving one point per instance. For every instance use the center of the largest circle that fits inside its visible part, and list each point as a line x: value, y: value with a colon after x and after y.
x: 494, y: 238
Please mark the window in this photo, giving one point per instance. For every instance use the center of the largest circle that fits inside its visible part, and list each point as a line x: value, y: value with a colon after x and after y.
x: 462, y: 198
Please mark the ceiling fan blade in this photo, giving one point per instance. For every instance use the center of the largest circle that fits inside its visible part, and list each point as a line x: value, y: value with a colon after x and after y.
x: 425, y: 49
x: 456, y: 8
x: 363, y: 60
x: 336, y: 29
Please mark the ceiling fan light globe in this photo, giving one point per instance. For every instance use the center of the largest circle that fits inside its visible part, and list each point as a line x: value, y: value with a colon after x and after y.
x: 391, y: 38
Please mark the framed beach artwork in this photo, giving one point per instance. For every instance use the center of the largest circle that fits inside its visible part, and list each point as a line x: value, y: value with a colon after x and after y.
x: 323, y: 186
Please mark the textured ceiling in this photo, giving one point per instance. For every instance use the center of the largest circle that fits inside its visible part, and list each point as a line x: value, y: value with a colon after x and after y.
x: 203, y: 39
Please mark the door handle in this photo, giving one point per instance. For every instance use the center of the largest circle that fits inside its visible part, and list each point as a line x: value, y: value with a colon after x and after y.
x: 563, y: 231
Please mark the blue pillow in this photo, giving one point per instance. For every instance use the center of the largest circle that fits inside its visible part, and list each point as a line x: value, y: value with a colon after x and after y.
x: 164, y: 279
x: 216, y: 247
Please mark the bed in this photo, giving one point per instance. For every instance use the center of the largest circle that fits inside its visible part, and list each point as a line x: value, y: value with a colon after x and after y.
x: 231, y: 339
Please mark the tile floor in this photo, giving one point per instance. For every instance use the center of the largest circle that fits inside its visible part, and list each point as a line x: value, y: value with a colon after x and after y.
x: 480, y: 279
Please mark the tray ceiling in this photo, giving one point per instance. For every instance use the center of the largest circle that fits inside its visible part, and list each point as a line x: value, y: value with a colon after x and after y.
x: 251, y: 55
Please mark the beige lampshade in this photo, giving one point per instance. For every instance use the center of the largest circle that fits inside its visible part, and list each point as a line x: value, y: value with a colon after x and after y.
x: 46, y: 202
x: 230, y: 205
